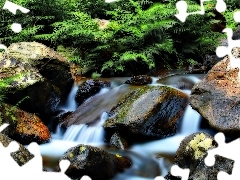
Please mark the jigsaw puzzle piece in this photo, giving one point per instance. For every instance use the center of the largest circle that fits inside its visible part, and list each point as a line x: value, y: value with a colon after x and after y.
x: 182, y: 10
x: 159, y: 178
x: 224, y: 176
x: 12, y: 7
x: 36, y: 163
x: 4, y: 125
x: 221, y: 6
x: 228, y: 150
x: 177, y: 171
x: 236, y: 16
x: 221, y: 51
x: 9, y: 164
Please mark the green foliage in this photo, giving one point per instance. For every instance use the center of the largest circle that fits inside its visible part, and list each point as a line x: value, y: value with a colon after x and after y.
x: 232, y: 7
x: 140, y: 34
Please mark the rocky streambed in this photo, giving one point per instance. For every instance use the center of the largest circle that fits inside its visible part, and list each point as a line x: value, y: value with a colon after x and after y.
x: 116, y: 128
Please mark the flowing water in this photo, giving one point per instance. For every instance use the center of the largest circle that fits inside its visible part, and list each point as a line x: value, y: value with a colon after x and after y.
x: 145, y: 166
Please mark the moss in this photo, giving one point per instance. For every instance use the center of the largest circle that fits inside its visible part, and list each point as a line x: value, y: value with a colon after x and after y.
x: 82, y: 148
x: 118, y: 156
x: 70, y: 155
x: 200, y: 144
x: 121, y: 110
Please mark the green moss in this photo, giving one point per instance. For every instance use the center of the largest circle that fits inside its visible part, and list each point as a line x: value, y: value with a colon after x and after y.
x: 122, y: 108
x: 70, y: 155
x: 82, y: 148
x: 118, y: 156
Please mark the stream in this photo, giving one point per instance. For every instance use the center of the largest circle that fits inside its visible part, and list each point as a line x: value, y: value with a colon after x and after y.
x: 149, y: 159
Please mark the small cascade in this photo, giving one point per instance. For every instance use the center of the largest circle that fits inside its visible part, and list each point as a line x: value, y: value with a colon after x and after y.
x: 85, y: 134
x: 58, y: 133
x: 92, y: 110
x: 191, y: 120
x: 154, y: 80
x: 71, y: 104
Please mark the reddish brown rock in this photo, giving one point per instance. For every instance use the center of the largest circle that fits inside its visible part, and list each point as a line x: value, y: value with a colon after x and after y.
x: 31, y: 128
x: 23, y: 127
x: 217, y: 97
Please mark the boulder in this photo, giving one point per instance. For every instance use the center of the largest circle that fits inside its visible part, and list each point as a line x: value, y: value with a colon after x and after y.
x: 217, y: 97
x: 94, y: 162
x: 89, y: 88
x: 191, y: 154
x: 37, y: 72
x: 148, y: 110
x: 23, y: 127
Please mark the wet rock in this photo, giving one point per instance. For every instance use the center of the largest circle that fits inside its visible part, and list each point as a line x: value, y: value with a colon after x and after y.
x: 118, y: 142
x: 58, y: 119
x: 209, y: 61
x: 22, y: 156
x: 94, y: 162
x: 91, y: 110
x: 197, y: 68
x: 191, y: 154
x: 24, y: 127
x: 139, y: 80
x: 37, y: 72
x: 149, y: 110
x: 217, y: 97
x: 90, y: 88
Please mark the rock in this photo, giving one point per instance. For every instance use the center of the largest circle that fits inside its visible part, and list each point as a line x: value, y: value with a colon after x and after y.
x: 118, y: 142
x: 94, y: 162
x: 91, y: 110
x: 217, y: 97
x: 191, y: 154
x: 40, y: 73
x: 209, y: 61
x: 148, y: 110
x: 22, y: 156
x: 139, y: 80
x: 24, y: 127
x: 89, y: 88
x: 59, y: 119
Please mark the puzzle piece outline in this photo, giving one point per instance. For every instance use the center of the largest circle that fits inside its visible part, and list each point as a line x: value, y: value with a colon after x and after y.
x: 182, y: 9
x: 228, y: 150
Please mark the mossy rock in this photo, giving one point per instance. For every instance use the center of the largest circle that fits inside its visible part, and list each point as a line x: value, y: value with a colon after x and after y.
x: 191, y: 154
x: 94, y: 162
x: 148, y: 110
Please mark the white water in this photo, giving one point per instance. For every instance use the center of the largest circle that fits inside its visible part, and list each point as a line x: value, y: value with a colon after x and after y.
x: 71, y: 104
x: 154, y: 80
x: 85, y: 134
x: 93, y: 135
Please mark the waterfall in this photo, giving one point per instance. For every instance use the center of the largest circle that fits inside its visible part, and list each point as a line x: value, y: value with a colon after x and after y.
x: 71, y: 104
x: 85, y: 134
x: 191, y: 120
x: 93, y: 134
